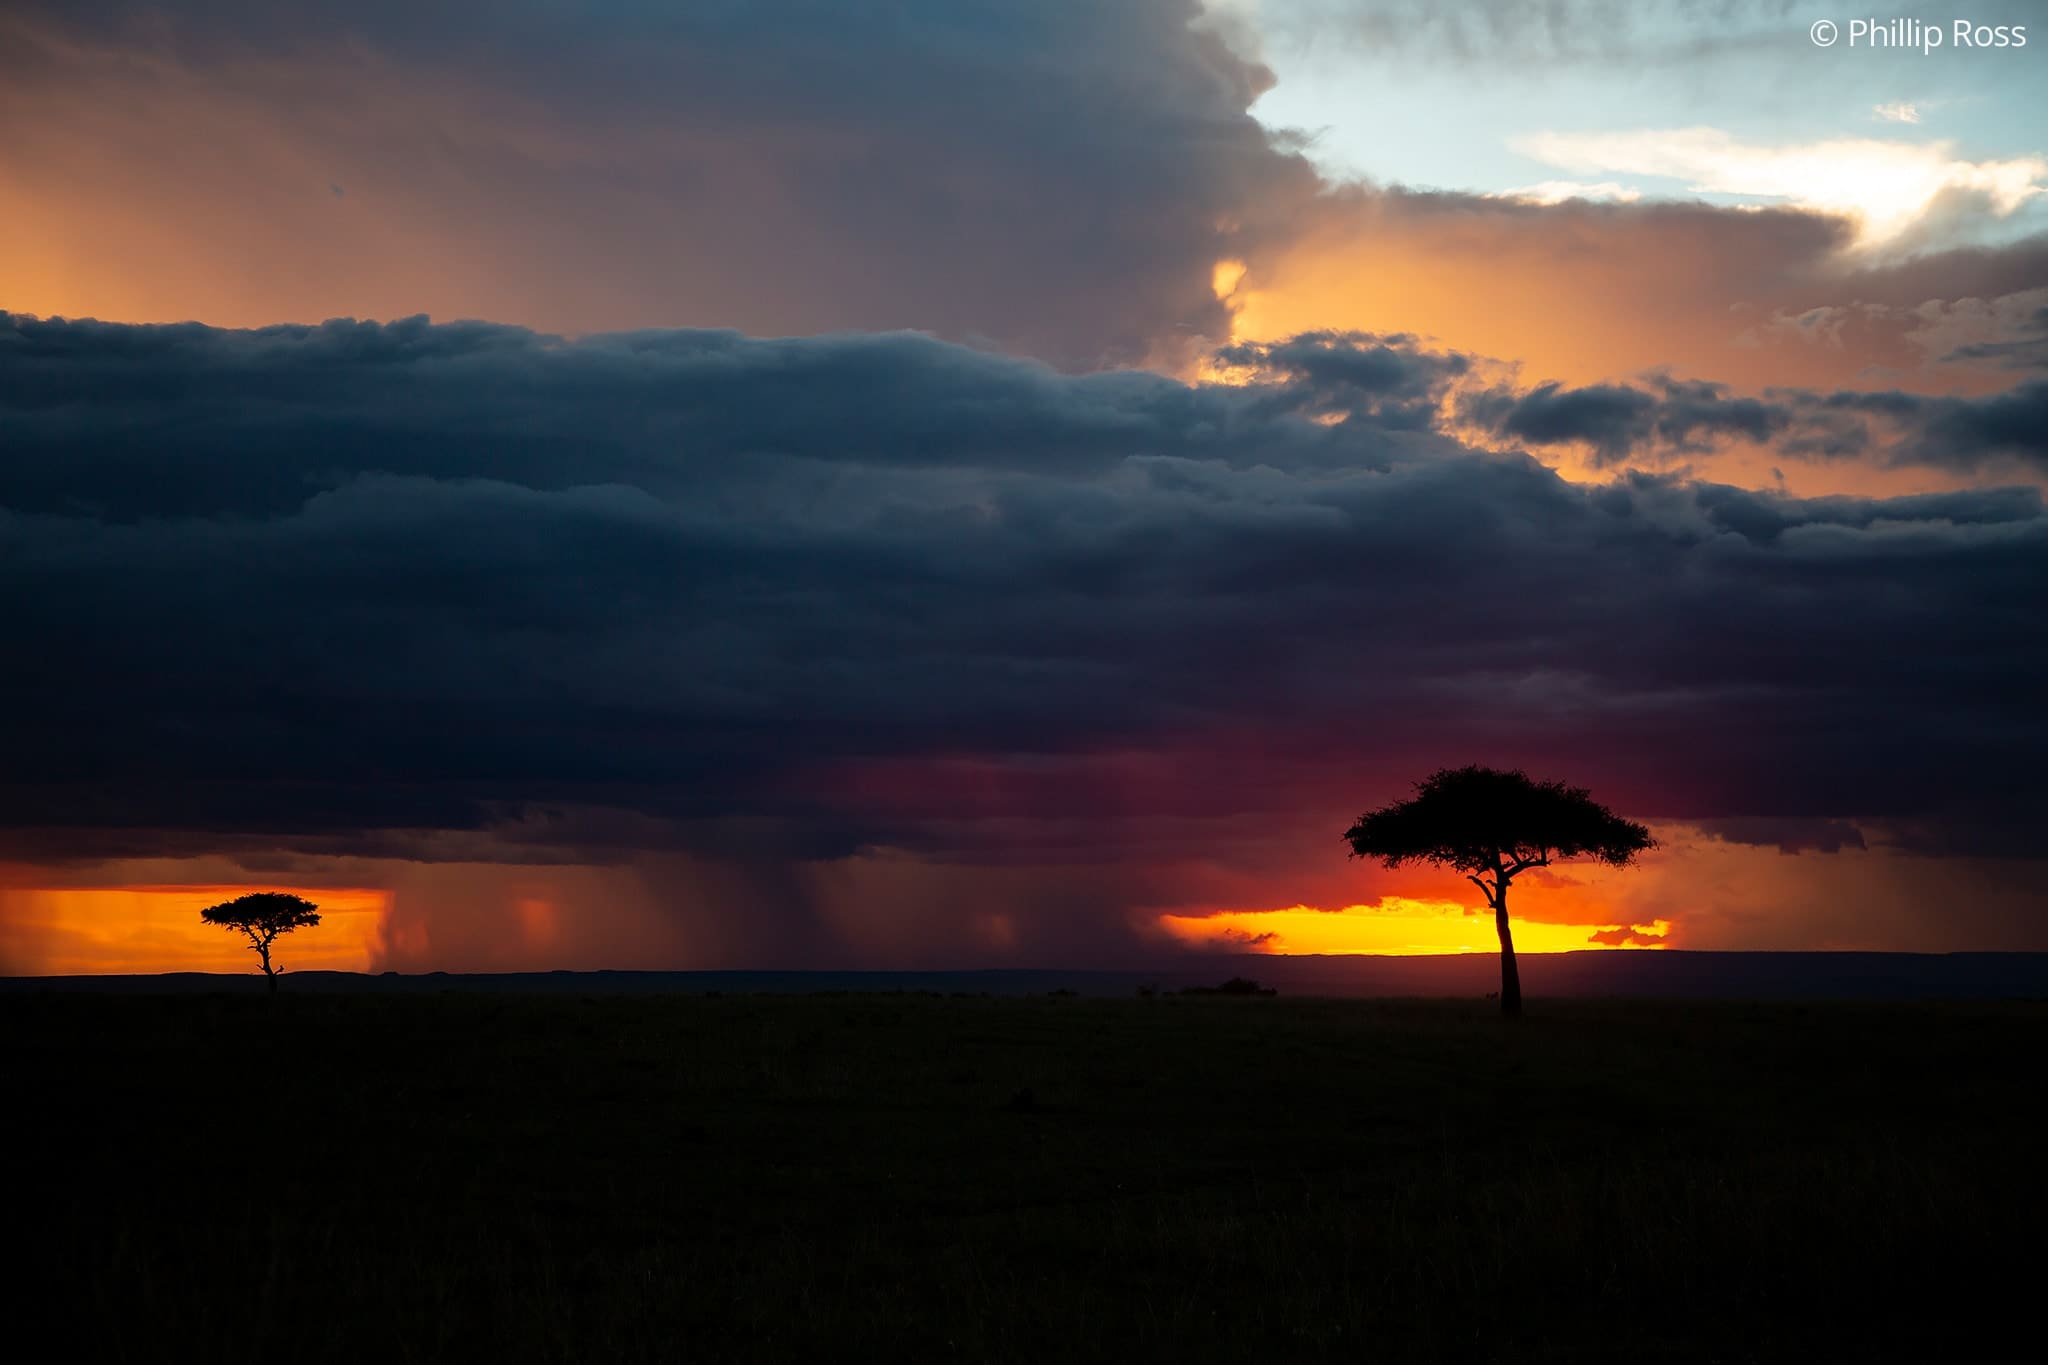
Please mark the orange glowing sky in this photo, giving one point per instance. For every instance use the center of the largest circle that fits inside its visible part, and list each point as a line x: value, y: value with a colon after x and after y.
x: 77, y: 931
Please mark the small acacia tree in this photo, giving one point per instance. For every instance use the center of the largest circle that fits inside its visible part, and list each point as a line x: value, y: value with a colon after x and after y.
x: 1492, y: 826
x: 263, y: 915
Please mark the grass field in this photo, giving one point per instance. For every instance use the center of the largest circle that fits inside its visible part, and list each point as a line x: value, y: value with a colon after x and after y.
x: 456, y: 1176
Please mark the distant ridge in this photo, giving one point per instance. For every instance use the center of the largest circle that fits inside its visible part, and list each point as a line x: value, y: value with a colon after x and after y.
x: 1662, y: 974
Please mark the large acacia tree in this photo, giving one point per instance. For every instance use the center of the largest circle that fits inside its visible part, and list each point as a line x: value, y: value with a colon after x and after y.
x: 1492, y: 826
x: 262, y: 916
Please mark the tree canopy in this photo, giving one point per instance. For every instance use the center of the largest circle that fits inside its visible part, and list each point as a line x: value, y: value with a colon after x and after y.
x: 262, y: 916
x: 1485, y: 820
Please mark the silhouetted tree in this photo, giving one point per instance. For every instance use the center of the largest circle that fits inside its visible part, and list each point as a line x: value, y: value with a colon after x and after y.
x: 1492, y: 826
x: 263, y: 915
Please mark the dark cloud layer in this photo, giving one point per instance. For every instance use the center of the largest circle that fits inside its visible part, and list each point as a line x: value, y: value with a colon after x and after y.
x: 395, y: 589
x: 1395, y: 381
x: 1624, y: 423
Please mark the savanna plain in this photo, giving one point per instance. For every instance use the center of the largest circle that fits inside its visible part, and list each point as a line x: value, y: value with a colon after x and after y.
x: 443, y: 1176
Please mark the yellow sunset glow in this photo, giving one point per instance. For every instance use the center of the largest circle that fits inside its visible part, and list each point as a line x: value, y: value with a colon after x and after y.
x: 1225, y: 277
x: 1397, y: 927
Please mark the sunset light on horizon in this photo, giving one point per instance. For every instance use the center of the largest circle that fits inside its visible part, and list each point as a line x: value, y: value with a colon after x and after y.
x: 1400, y: 929
x: 73, y: 931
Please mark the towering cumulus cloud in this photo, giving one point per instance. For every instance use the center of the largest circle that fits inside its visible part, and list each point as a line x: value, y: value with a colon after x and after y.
x: 1058, y: 177
x: 879, y: 620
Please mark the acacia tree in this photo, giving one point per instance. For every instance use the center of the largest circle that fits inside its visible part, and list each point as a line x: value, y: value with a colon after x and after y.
x: 263, y: 915
x: 1492, y: 826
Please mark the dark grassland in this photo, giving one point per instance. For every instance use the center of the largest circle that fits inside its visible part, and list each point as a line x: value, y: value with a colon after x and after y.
x: 373, y: 1178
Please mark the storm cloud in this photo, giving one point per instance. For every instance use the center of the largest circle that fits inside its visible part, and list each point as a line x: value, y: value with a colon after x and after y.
x: 933, y: 601
x: 1628, y: 424
x: 1063, y: 180
x: 1057, y: 178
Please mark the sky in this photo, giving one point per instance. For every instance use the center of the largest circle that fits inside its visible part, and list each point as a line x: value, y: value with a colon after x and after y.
x: 972, y: 482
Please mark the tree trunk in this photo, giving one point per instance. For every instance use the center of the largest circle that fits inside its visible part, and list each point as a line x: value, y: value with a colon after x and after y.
x: 1510, y: 977
x: 269, y: 972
